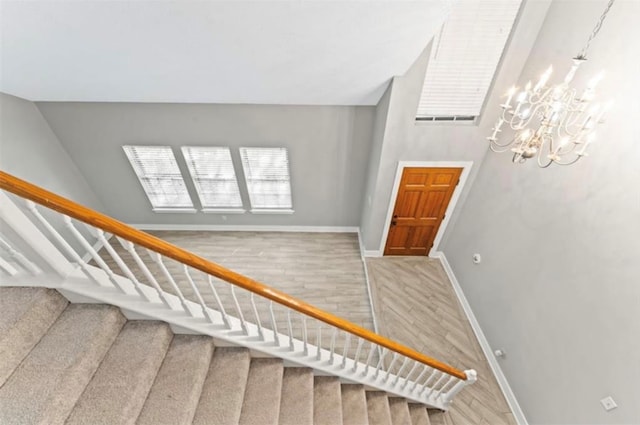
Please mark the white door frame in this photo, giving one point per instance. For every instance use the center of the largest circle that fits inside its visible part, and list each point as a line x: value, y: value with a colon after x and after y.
x: 466, y: 169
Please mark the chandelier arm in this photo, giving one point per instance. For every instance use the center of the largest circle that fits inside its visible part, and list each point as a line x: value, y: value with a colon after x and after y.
x: 576, y: 159
x: 503, y: 146
x: 544, y: 165
x: 498, y: 150
x: 524, y: 123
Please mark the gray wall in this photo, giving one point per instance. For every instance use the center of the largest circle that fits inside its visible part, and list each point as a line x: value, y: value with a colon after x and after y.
x: 328, y: 149
x: 559, y: 287
x: 408, y: 140
x: 375, y: 156
x: 31, y: 151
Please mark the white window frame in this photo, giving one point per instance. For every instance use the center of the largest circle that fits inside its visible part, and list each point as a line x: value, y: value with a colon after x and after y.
x: 146, y: 186
x: 196, y: 179
x: 449, y: 95
x: 248, y: 181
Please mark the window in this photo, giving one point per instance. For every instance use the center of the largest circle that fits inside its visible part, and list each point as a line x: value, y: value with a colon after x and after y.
x: 464, y: 58
x: 268, y: 183
x: 214, y: 177
x: 158, y: 172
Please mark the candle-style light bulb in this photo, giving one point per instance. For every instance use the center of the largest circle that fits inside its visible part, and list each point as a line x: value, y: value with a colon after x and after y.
x: 543, y: 79
x: 510, y: 94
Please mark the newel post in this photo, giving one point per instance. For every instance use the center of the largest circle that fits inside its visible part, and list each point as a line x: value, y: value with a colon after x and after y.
x: 447, y: 398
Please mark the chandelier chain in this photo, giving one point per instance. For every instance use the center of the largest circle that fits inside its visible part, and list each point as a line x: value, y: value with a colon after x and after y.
x: 596, y: 29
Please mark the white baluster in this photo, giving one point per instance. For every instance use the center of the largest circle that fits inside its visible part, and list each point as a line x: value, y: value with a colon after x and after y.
x: 87, y: 246
x: 7, y: 267
x: 31, y: 206
x: 225, y: 317
x: 406, y: 381
x: 429, y: 380
x: 318, y: 342
x: 158, y: 260
x: 255, y: 313
x: 404, y: 364
x: 291, y: 346
x: 417, y: 380
x: 332, y: 346
x: 444, y: 386
x: 276, y: 337
x: 372, y: 350
x: 380, y: 361
x: 196, y: 291
x: 393, y: 362
x: 472, y: 377
x: 123, y: 266
x: 304, y: 335
x: 356, y: 358
x: 345, y: 351
x: 20, y: 258
x: 128, y: 246
x: 243, y: 323
x: 435, y: 385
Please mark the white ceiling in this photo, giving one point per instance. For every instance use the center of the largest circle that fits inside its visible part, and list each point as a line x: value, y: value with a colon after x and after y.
x: 265, y: 52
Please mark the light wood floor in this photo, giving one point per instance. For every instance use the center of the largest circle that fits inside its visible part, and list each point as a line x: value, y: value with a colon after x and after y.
x: 415, y: 304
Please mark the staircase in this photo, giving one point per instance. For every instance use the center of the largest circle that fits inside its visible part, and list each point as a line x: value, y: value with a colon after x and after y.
x: 202, y: 343
x: 64, y: 363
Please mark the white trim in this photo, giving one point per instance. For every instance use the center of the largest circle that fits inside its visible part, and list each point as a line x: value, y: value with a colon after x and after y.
x: 12, y: 271
x: 174, y: 210
x: 372, y: 253
x: 224, y: 210
x: 484, y: 343
x: 466, y: 169
x: 368, y: 285
x: 247, y: 228
x: 271, y: 211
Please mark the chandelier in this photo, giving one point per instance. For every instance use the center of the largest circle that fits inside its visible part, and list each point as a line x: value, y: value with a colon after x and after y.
x: 555, y: 123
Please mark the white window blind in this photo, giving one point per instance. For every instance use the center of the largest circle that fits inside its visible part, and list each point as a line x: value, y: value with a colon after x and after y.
x: 464, y: 57
x: 213, y: 175
x: 267, y: 173
x: 158, y: 172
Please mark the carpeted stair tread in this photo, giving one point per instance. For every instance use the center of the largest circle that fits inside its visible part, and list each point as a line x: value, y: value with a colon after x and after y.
x: 327, y: 401
x: 399, y: 409
x: 175, y: 393
x: 223, y: 390
x: 296, y: 400
x: 378, y: 408
x: 419, y: 415
x: 437, y: 417
x: 354, y: 405
x: 46, y: 385
x: 25, y: 316
x: 121, y: 384
x: 261, y: 404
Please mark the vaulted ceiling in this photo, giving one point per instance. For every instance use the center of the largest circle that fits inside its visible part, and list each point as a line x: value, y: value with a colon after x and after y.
x: 261, y: 52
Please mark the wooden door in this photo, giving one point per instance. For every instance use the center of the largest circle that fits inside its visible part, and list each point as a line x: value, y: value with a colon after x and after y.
x: 423, y: 197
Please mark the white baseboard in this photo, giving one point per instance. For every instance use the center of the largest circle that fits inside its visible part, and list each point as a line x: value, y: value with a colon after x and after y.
x: 366, y: 279
x: 372, y: 253
x: 484, y: 343
x: 247, y: 228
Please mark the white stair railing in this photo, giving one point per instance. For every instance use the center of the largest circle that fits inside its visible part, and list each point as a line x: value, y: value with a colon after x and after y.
x: 191, y: 300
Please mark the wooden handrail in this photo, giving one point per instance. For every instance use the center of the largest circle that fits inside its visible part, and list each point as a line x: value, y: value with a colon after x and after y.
x: 65, y: 206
